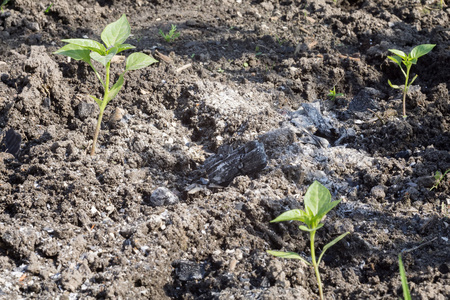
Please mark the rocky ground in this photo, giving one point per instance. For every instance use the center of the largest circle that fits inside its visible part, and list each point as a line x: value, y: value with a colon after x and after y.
x: 146, y: 219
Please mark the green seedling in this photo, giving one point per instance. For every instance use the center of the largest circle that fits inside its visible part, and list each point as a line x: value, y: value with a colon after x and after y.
x: 408, y: 60
x: 332, y: 94
x: 2, y: 6
x: 113, y: 37
x: 171, y: 36
x: 257, y: 51
x: 317, y: 204
x: 280, y: 41
x: 47, y: 10
x: 405, y: 287
x: 438, y: 176
x: 245, y: 65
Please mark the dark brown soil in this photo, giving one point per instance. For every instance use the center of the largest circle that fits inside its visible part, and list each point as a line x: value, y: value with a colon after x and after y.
x: 74, y: 226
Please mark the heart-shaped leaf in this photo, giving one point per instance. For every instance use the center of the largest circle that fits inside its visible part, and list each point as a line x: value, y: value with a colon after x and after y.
x: 75, y: 52
x: 88, y: 44
x: 421, y: 50
x: 291, y: 215
x: 399, y: 53
x: 138, y: 61
x: 117, y: 32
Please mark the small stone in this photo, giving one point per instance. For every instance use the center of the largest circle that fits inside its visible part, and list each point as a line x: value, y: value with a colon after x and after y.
x: 378, y: 192
x: 163, y: 196
x: 86, y: 110
x: 32, y: 25
x: 117, y: 115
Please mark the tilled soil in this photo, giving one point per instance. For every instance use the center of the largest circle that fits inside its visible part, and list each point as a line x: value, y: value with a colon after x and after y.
x: 141, y: 219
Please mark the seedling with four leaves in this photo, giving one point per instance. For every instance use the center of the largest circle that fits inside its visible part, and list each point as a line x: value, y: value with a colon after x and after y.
x: 113, y: 36
x: 408, y: 60
x: 317, y: 204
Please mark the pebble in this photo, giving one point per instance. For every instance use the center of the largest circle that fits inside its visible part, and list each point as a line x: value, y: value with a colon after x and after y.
x: 378, y: 192
x: 117, y: 115
x: 162, y: 196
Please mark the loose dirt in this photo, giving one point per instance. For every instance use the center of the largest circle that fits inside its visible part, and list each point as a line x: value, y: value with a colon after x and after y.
x: 142, y: 220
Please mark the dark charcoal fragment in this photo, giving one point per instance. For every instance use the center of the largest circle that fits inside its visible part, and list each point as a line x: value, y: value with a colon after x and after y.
x: 246, y: 160
x: 188, y: 270
x: 11, y: 142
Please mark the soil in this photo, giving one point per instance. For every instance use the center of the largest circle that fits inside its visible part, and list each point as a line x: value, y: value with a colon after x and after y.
x: 141, y: 219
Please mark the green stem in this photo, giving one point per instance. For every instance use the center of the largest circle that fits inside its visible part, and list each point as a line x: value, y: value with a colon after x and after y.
x: 97, y: 130
x: 314, y: 262
x: 405, y: 91
x: 102, y: 109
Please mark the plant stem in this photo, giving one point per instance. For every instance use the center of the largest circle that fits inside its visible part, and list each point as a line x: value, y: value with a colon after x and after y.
x: 102, y: 109
x: 405, y: 91
x: 314, y: 262
x: 97, y: 130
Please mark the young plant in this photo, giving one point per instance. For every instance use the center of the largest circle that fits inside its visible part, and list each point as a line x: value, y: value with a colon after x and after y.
x: 3, y: 5
x: 257, y: 51
x: 408, y: 60
x: 47, y: 10
x: 171, y: 36
x: 113, y: 37
x: 332, y: 94
x: 317, y: 204
x: 438, y: 176
x: 405, y: 287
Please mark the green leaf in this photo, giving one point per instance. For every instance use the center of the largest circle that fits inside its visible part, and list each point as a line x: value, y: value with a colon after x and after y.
x: 396, y: 59
x: 291, y: 215
x: 304, y: 228
x: 117, y: 32
x: 399, y: 53
x: 405, y: 287
x: 421, y: 50
x: 331, y: 244
x: 99, y: 102
x: 88, y: 44
x: 394, y: 86
x: 104, y: 59
x: 115, y: 89
x: 138, y: 61
x: 316, y: 197
x: 123, y: 47
x: 283, y: 254
x: 75, y: 52
x: 413, y: 80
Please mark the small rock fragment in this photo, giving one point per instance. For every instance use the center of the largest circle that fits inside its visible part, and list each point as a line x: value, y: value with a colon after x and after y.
x: 378, y: 192
x: 188, y: 270
x: 163, y: 196
x: 86, y: 110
